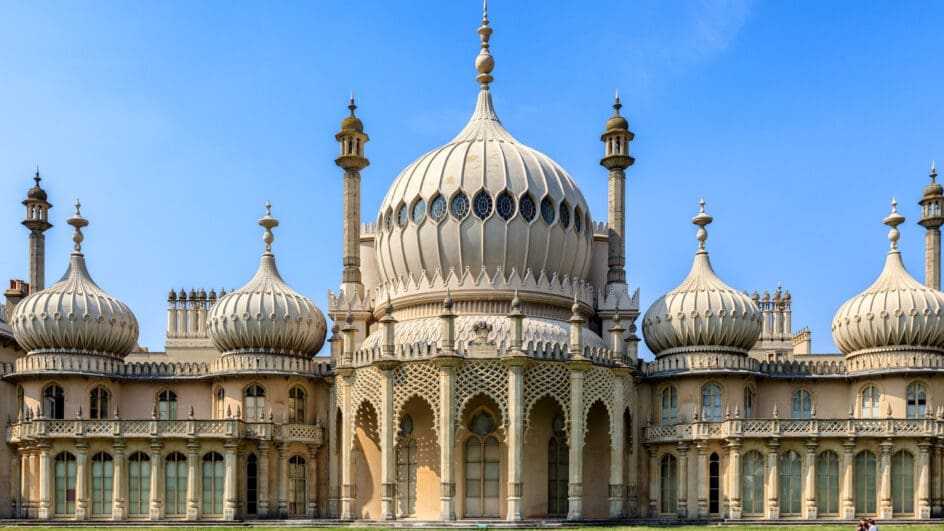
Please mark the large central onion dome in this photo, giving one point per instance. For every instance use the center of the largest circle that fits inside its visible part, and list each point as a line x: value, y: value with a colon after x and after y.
x: 266, y: 316
x: 702, y: 313
x: 896, y: 311
x: 74, y: 315
x: 484, y: 201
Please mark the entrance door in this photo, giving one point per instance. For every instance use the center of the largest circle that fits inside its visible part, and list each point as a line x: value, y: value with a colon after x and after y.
x: 714, y: 484
x: 252, y: 484
x: 481, y: 468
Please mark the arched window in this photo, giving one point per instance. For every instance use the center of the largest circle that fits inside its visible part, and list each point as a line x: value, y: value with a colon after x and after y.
x: 547, y: 211
x: 297, y: 493
x: 481, y: 467
x: 65, y: 483
x: 668, y: 475
x: 917, y: 401
x: 102, y: 470
x: 752, y: 481
x: 865, y: 482
x: 437, y: 208
x: 669, y: 405
x: 827, y: 483
x: 748, y: 402
x: 255, y: 403
x: 791, y: 490
x: 505, y: 205
x: 403, y: 216
x: 54, y: 402
x: 802, y: 404
x: 711, y: 402
x: 870, y: 398
x: 212, y: 483
x: 459, y: 206
x: 482, y: 204
x: 175, y: 484
x: 167, y: 405
x: 99, y: 402
x: 564, y: 214
x: 252, y: 484
x: 902, y: 483
x: 139, y: 484
x: 558, y: 463
x: 296, y: 405
x: 406, y: 468
x: 219, y: 403
x: 714, y: 484
x: 527, y: 208
x: 419, y: 211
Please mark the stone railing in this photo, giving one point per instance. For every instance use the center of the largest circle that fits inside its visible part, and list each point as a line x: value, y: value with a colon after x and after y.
x: 543, y: 351
x: 882, y: 361
x: 795, y: 428
x: 43, y: 429
x: 702, y: 362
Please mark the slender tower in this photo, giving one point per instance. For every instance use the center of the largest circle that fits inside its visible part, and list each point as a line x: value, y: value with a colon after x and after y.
x: 37, y: 221
x: 932, y: 219
x: 352, y: 161
x: 616, y: 138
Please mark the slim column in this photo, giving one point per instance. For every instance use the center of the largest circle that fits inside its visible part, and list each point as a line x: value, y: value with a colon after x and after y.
x: 773, y: 477
x: 347, y: 444
x: 702, y: 447
x: 516, y: 365
x: 575, y: 470
x: 682, y: 508
x: 229, y: 481
x: 81, y: 480
x: 848, y: 505
x: 283, y: 481
x: 15, y: 478
x: 118, y: 487
x: 311, y: 511
x: 632, y: 484
x: 193, y: 490
x: 936, y: 479
x: 45, y: 512
x: 157, y: 470
x: 885, y: 509
x: 924, y: 488
x: 262, y: 505
x: 734, y: 471
x: 809, y: 481
x: 617, y: 443
x: 35, y: 469
x: 333, y: 443
x: 25, y: 486
x: 387, y: 453
x: 448, y: 365
x: 653, y: 482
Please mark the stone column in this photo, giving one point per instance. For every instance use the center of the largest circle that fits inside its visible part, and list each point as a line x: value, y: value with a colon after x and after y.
x: 516, y: 365
x: 388, y: 474
x: 118, y: 487
x: 333, y: 443
x: 683, y: 480
x: 229, y: 481
x: 193, y: 488
x: 575, y: 471
x: 848, y: 492
x: 283, y: 480
x: 448, y: 366
x: 157, y: 470
x: 25, y: 486
x: 311, y: 511
x: 885, y: 507
x: 15, y: 478
x: 809, y: 487
x: 937, y: 465
x: 262, y: 488
x: 773, y: 480
x: 702, y: 479
x: 347, y: 445
x: 734, y: 471
x: 617, y: 444
x: 35, y: 469
x: 923, y: 511
x: 653, y: 482
x: 45, y: 476
x: 81, y: 480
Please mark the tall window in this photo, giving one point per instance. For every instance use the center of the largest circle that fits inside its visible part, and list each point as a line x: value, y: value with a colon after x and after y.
x: 167, y: 405
x: 99, y: 400
x: 481, y: 467
x: 827, y: 483
x: 714, y: 484
x: 669, y: 482
x: 212, y: 483
x: 669, y: 405
x: 65, y: 483
x: 252, y: 484
x: 296, y: 486
x: 255, y: 403
x: 406, y: 468
x: 802, y: 404
x: 752, y: 480
x: 219, y: 403
x: 748, y: 402
x: 296, y: 405
x: 917, y: 401
x: 102, y: 468
x: 175, y: 484
x: 870, y: 401
x: 791, y: 492
x: 711, y: 402
x: 53, y: 402
x: 865, y: 482
x: 558, y: 462
x: 139, y: 484
x: 902, y: 483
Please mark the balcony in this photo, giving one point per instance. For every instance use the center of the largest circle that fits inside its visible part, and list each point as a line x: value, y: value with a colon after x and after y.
x: 794, y: 428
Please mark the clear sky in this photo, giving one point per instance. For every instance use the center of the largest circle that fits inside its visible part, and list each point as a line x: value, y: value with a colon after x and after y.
x: 174, y: 122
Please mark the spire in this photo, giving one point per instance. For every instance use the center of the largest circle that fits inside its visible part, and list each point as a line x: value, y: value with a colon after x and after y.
x: 78, y: 222
x: 616, y: 104
x: 484, y: 62
x: 894, y: 220
x: 933, y: 173
x: 37, y: 178
x: 702, y: 220
x: 352, y: 106
x: 268, y: 222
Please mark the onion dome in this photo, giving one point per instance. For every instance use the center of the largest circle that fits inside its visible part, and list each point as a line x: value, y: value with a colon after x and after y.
x: 266, y: 315
x: 617, y: 122
x: 896, y: 312
x: 74, y: 315
x: 484, y: 201
x: 36, y: 192
x: 702, y: 313
x: 352, y: 123
x: 933, y: 188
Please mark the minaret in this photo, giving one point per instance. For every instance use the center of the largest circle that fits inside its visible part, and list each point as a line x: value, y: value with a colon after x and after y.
x: 616, y: 138
x: 352, y: 161
x: 37, y: 221
x: 932, y: 219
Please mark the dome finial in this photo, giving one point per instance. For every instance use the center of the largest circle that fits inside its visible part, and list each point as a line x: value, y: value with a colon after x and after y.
x: 933, y: 173
x: 894, y: 220
x: 268, y: 222
x: 616, y: 103
x: 702, y: 220
x: 78, y: 222
x: 352, y: 106
x: 37, y: 178
x: 484, y: 62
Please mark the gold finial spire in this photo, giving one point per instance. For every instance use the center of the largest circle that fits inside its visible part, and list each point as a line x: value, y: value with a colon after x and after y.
x: 894, y: 220
x: 37, y: 178
x: 484, y: 62
x: 352, y: 106
x: 268, y: 223
x: 616, y: 104
x: 702, y: 220
x: 933, y: 173
x: 77, y: 221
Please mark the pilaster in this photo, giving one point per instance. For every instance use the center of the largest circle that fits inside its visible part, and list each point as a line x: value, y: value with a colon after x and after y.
x: 773, y: 480
x: 923, y: 510
x: 885, y: 493
x: 702, y: 479
x: 312, y: 483
x: 653, y: 481
x: 283, y: 480
x: 262, y: 503
x: 157, y: 471
x: 809, y: 481
x: 516, y: 365
x: 119, y: 485
x: 332, y: 452
x: 937, y: 466
x: 734, y: 479
x: 45, y: 509
x: 682, y: 507
x: 617, y: 443
x: 577, y: 430
x: 448, y: 365
x: 229, y: 481
x: 347, y: 444
x: 387, y: 451
x: 81, y: 480
x: 193, y: 500
x: 848, y: 492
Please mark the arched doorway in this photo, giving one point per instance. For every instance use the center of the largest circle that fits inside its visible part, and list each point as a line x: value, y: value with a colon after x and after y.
x: 252, y: 485
x: 482, y: 467
x: 714, y: 484
x: 558, y: 468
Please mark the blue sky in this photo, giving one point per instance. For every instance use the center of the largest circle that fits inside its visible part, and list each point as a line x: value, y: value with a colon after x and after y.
x: 174, y: 122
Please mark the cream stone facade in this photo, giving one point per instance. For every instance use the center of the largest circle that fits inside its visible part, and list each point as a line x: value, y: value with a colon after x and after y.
x: 482, y: 364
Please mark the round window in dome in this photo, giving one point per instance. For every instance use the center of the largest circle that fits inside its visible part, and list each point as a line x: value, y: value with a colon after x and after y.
x: 527, y: 208
x: 578, y: 220
x: 482, y: 204
x: 505, y: 205
x: 547, y: 211
x: 419, y: 211
x: 388, y: 221
x: 564, y: 215
x: 403, y: 216
x: 460, y: 205
x: 437, y: 209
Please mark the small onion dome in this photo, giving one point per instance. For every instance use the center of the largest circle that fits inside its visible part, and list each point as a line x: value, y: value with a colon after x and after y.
x: 617, y: 122
x: 36, y: 192
x: 934, y: 187
x: 265, y: 315
x: 702, y: 313
x: 352, y: 123
x: 895, y: 311
x: 74, y: 315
